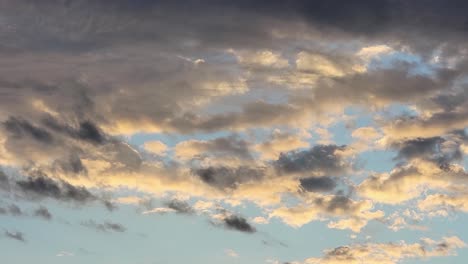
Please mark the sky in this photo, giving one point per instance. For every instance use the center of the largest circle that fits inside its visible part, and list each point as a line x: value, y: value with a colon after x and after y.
x: 237, y: 132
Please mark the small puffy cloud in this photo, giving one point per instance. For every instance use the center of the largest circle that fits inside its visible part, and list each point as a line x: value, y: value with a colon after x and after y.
x: 317, y: 184
x: 318, y: 160
x: 231, y: 253
x: 372, y: 51
x: 173, y: 206
x: 65, y: 254
x: 43, y: 212
x: 229, y: 177
x: 159, y: 210
x: 353, y: 215
x: 180, y: 207
x: 155, y: 146
x: 238, y: 223
x: 263, y: 58
x: 16, y: 235
x: 367, y: 133
x: 107, y: 226
x: 278, y: 143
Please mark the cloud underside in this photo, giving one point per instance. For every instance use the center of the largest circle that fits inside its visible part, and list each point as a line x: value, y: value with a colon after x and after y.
x: 389, y: 253
x: 245, y: 102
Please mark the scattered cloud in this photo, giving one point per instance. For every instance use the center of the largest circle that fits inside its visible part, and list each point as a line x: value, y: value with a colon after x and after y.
x: 16, y: 235
x: 104, y: 227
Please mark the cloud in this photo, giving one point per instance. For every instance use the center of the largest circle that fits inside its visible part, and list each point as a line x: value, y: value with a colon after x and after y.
x: 22, y: 128
x: 432, y: 125
x: 377, y: 253
x: 407, y: 182
x: 264, y: 58
x: 352, y: 215
x: 43, y: 212
x: 181, y: 207
x: 231, y: 253
x: 227, y: 177
x: 224, y: 147
x: 44, y: 187
x: 236, y: 95
x: 314, y: 184
x: 156, y: 147
x: 14, y: 235
x: 446, y: 202
x: 318, y: 64
x: 238, y: 223
x: 104, y: 227
x: 4, y: 182
x: 15, y: 210
x: 437, y: 149
x: 12, y: 209
x: 278, y: 143
x: 65, y: 254
x: 319, y: 160
x: 86, y: 130
x: 159, y: 210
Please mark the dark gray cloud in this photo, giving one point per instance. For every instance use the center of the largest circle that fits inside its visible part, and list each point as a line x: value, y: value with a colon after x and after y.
x: 12, y: 209
x: 15, y: 210
x: 73, y: 164
x: 385, y: 85
x: 14, y: 235
x: 234, y: 145
x: 427, y: 148
x: 4, y: 181
x: 19, y: 128
x: 104, y: 227
x: 43, y: 212
x: 86, y: 130
x: 64, y: 26
x: 456, y: 98
x: 44, y: 187
x: 238, y: 223
x: 126, y: 24
x: 227, y: 177
x: 41, y: 186
x: 322, y: 159
x: 180, y: 207
x: 338, y: 204
x: 441, y: 150
x: 317, y: 184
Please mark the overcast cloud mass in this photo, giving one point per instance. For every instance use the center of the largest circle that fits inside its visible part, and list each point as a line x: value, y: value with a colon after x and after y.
x: 305, y: 132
